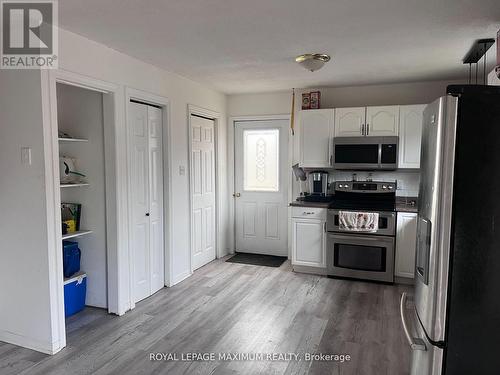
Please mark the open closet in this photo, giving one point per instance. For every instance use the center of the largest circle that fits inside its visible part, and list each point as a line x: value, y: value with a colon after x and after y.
x: 81, y: 139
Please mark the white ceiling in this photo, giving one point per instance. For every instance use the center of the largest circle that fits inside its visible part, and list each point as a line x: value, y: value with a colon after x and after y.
x: 239, y: 46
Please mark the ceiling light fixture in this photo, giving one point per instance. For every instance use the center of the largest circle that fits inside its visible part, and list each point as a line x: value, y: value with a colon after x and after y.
x: 312, y: 61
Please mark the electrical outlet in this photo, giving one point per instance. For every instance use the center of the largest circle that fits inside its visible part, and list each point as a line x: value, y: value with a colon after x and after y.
x: 182, y: 170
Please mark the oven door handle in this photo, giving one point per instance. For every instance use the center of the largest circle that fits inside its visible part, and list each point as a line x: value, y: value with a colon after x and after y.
x: 363, y: 237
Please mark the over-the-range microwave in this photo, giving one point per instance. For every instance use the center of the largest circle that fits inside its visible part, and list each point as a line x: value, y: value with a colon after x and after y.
x: 365, y: 153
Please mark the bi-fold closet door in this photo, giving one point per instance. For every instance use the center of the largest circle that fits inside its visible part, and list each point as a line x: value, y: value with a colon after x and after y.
x: 146, y: 193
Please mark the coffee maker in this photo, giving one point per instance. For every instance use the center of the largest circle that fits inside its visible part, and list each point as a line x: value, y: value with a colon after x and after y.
x: 318, y: 187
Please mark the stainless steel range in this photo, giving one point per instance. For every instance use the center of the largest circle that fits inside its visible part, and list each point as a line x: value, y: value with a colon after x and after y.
x: 362, y: 255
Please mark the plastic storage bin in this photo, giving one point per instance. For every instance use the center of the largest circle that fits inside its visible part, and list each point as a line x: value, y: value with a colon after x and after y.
x: 75, y: 289
x: 71, y: 258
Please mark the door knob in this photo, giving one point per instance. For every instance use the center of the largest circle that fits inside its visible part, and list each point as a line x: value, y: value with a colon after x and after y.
x: 236, y: 195
x: 147, y: 213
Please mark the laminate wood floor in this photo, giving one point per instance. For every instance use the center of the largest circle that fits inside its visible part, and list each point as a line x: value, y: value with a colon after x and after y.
x: 235, y: 308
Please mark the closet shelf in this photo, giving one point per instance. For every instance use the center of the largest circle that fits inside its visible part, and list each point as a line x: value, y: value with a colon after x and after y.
x: 72, y: 140
x: 76, y: 234
x: 73, y: 185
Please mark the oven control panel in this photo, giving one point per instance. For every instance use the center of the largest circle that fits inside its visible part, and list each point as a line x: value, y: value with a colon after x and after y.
x: 365, y: 186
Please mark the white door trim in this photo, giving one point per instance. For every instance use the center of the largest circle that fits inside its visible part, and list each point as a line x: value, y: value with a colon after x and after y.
x: 217, y: 117
x: 115, y: 207
x: 231, y: 174
x: 164, y: 103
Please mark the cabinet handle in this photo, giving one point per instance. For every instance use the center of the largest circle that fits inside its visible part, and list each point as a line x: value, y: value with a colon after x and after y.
x: 331, y: 160
x: 367, y: 129
x: 324, y: 226
x: 362, y: 129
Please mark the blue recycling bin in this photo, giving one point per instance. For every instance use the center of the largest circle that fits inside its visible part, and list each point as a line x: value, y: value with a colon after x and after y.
x: 75, y: 290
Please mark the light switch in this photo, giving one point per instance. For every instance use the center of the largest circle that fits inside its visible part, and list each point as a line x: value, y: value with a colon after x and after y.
x: 182, y: 170
x: 26, y: 155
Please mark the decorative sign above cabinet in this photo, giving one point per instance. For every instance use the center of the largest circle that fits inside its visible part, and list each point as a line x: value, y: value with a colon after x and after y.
x: 311, y: 100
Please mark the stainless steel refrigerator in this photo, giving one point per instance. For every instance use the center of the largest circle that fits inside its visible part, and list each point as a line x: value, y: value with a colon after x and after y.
x: 452, y: 319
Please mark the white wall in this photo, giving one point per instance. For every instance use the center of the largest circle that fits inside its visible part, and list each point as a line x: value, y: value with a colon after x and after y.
x: 109, y: 65
x: 25, y: 308
x: 80, y: 114
x: 331, y: 97
x: 25, y: 315
x: 78, y: 54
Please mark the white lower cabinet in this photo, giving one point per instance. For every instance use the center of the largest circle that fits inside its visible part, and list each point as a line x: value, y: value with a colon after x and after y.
x: 406, y: 239
x: 309, y: 238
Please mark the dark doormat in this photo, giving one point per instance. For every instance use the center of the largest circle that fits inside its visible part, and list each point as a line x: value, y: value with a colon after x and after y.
x: 257, y: 259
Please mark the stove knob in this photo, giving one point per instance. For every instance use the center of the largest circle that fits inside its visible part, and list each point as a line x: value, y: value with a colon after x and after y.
x: 384, y: 187
x: 391, y: 187
x: 341, y: 186
x: 346, y: 186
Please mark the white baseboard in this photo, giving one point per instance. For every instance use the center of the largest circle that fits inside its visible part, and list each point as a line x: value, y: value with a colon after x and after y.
x: 309, y: 269
x: 181, y: 277
x: 223, y: 253
x: 30, y: 343
x: 97, y: 304
x: 124, y: 308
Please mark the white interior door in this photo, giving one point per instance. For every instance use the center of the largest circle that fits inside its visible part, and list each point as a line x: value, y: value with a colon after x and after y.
x: 157, y: 254
x: 146, y: 192
x: 202, y: 173
x: 261, y: 186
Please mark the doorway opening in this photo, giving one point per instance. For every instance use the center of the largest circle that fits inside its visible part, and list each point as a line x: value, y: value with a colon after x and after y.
x: 83, y: 119
x: 204, y: 186
x: 145, y: 135
x: 261, y: 186
x: 149, y: 199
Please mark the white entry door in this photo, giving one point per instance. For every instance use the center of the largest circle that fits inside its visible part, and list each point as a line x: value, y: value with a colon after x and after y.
x: 203, y: 190
x: 261, y: 186
x: 146, y: 192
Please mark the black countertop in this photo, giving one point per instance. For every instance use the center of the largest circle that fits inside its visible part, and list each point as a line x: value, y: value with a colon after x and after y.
x: 403, y: 204
x: 310, y: 204
x: 407, y: 204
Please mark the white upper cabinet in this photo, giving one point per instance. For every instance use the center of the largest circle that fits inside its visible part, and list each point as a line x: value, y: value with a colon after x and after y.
x: 367, y: 121
x: 349, y: 122
x: 382, y: 121
x: 316, y: 133
x: 410, y: 135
